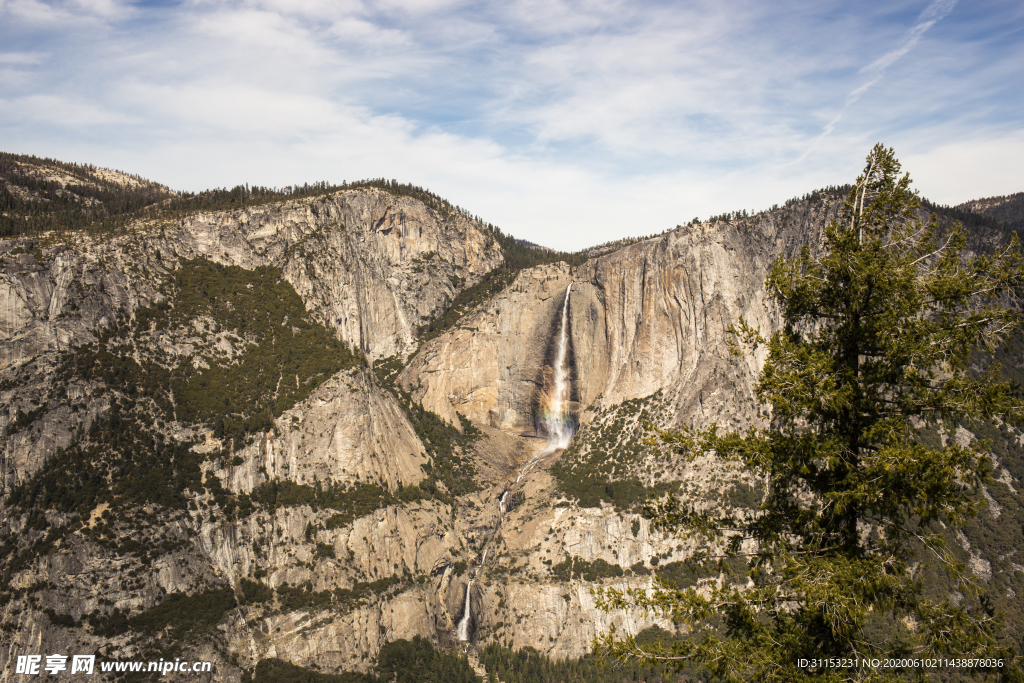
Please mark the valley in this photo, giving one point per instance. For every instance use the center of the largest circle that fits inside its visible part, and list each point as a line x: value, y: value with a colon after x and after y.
x: 295, y: 431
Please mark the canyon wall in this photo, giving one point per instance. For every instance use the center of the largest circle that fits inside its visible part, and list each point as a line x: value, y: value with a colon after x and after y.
x: 648, y: 329
x: 370, y: 265
x: 652, y: 316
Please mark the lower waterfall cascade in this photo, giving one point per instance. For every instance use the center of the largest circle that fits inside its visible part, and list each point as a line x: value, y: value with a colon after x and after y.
x: 462, y: 630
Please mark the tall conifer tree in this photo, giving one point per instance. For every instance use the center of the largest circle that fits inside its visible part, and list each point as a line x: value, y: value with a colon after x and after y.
x: 875, y: 348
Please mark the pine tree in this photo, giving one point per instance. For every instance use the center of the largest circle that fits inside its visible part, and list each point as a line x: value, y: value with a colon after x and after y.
x: 849, y: 545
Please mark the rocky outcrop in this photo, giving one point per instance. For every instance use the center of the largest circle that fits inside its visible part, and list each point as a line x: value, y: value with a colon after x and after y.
x: 55, y: 297
x: 371, y: 265
x: 648, y: 325
x: 348, y: 431
x: 368, y: 265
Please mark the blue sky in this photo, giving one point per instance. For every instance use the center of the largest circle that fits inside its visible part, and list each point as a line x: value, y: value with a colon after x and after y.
x: 565, y: 123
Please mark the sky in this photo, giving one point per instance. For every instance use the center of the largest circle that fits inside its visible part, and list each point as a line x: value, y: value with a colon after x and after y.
x: 565, y: 123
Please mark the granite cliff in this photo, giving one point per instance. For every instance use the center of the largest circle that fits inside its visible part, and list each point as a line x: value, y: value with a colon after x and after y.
x: 225, y: 436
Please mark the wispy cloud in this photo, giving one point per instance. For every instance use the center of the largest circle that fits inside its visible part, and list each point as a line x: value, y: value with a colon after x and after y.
x: 876, y: 69
x: 933, y: 13
x: 56, y: 14
x: 564, y: 122
x: 21, y: 57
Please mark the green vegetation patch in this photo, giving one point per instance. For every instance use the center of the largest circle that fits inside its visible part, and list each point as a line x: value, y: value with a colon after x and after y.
x: 493, y: 283
x: 280, y: 671
x: 352, y: 501
x: 289, y: 358
x: 578, y: 568
x: 447, y: 449
x: 400, y: 661
x: 744, y: 495
x: 602, y: 462
x: 417, y: 661
x: 685, y: 574
x: 304, y: 598
x: 179, y: 617
x: 122, y: 462
x: 253, y: 592
x: 87, y: 201
x: 530, y: 666
x: 123, y: 459
x: 446, y: 446
x: 449, y: 473
x: 22, y: 419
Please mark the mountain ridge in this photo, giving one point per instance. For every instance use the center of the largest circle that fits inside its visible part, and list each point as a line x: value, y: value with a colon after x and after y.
x: 352, y: 511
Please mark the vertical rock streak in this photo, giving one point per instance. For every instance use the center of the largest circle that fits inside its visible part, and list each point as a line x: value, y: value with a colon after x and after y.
x: 553, y: 418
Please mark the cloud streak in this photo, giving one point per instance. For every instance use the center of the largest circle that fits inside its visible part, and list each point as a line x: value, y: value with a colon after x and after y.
x: 933, y: 13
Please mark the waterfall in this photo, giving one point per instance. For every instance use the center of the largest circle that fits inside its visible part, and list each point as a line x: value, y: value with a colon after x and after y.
x: 554, y: 419
x: 556, y: 423
x: 462, y: 631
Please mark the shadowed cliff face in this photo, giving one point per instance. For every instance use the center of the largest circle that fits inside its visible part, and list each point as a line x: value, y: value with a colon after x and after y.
x: 654, y: 316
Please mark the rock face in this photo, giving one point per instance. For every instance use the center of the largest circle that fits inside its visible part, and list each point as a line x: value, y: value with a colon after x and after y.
x: 348, y: 431
x: 490, y: 367
x: 301, y: 578
x: 53, y: 301
x: 367, y: 264
x: 1008, y: 210
x: 651, y: 316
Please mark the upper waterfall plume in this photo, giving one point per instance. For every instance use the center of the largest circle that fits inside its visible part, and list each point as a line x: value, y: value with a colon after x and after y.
x: 554, y: 418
